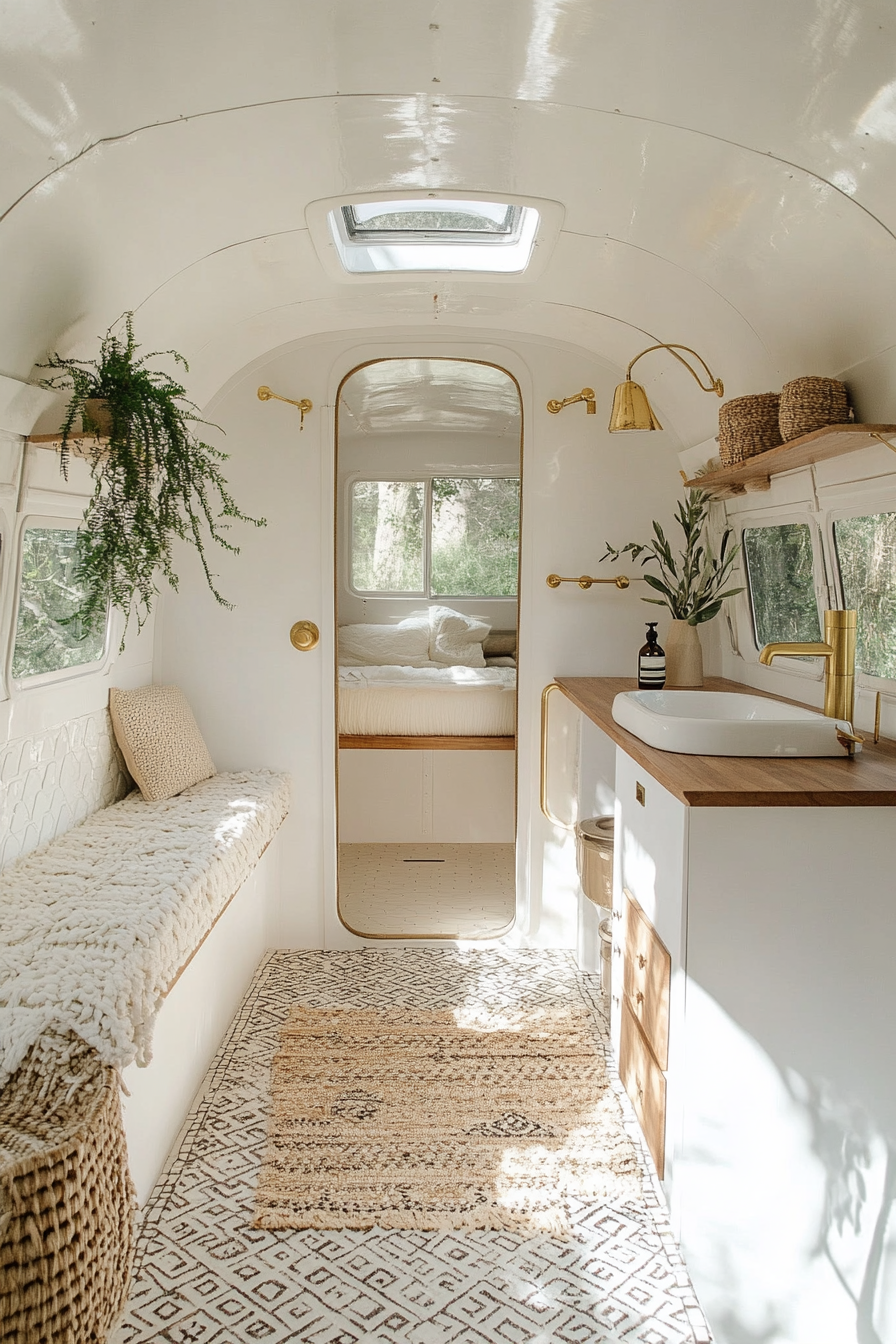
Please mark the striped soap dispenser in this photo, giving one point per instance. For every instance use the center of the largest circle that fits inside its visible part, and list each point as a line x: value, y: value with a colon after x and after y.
x: 651, y: 662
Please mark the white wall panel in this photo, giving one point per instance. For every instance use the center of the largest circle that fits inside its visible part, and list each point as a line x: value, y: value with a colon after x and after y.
x: 192, y: 1021
x: 52, y: 781
x: 473, y: 796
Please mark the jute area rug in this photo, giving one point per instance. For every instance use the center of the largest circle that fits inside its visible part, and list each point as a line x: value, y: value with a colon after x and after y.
x: 401, y: 1118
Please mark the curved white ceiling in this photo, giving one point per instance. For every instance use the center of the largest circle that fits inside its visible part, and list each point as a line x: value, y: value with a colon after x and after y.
x: 727, y: 172
x: 443, y: 395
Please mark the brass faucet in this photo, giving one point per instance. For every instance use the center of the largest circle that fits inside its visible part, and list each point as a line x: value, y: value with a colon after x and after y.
x: 839, y: 652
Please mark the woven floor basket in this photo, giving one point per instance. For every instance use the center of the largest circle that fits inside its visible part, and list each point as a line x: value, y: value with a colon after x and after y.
x: 808, y: 404
x: 66, y: 1199
x: 747, y: 426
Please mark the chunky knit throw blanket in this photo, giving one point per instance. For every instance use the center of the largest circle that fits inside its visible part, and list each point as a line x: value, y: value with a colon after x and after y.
x: 95, y: 926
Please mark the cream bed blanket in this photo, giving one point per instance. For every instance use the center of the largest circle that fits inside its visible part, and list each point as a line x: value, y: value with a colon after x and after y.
x: 427, y: 701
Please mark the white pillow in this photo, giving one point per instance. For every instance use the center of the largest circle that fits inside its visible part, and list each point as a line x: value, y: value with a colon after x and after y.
x: 456, y: 640
x: 402, y: 645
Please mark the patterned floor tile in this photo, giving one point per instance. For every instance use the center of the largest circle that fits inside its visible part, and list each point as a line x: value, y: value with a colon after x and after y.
x: 206, y: 1276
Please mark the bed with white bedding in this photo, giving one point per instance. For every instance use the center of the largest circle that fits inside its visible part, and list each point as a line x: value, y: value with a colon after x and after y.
x: 427, y: 702
x: 422, y: 680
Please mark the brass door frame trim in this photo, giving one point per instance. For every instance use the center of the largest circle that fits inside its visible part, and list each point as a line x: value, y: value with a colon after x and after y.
x: 448, y: 359
x: 543, y: 767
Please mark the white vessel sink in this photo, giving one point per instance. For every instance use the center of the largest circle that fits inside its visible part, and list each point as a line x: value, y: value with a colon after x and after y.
x: 726, y: 723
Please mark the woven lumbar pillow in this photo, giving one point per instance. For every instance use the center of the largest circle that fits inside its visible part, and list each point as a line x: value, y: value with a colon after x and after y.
x: 160, y: 740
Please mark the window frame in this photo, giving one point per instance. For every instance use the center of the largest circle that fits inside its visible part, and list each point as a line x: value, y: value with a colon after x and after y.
x: 326, y: 226
x: 859, y: 504
x: 359, y: 234
x: 8, y: 590
x: 805, y: 669
x: 427, y: 478
x: 97, y: 666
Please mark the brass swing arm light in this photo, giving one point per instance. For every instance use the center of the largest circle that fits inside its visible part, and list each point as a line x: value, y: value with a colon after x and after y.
x: 586, y: 395
x: 304, y: 406
x: 632, y: 410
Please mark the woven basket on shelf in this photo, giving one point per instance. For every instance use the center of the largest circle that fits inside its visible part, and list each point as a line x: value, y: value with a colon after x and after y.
x: 747, y: 426
x: 66, y: 1199
x: 812, y: 403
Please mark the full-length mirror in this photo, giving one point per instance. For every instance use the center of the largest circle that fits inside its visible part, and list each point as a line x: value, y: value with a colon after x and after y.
x: 428, y: 475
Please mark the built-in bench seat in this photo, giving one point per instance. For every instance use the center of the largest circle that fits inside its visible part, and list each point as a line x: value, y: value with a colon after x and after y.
x: 98, y: 926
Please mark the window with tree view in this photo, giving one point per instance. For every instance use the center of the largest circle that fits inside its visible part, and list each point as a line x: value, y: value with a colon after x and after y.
x: 446, y: 536
x: 866, y: 554
x: 47, y: 638
x: 781, y: 583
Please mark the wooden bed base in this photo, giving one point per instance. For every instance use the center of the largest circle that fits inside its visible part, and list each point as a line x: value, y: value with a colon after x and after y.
x: 373, y: 742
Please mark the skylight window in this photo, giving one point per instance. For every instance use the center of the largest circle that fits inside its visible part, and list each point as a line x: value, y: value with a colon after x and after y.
x: 434, y: 235
x: 420, y: 220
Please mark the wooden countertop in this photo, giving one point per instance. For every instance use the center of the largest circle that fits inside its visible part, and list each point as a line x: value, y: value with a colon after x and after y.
x: 866, y: 780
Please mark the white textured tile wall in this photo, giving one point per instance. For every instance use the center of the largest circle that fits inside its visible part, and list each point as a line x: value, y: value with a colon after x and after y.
x: 50, y: 782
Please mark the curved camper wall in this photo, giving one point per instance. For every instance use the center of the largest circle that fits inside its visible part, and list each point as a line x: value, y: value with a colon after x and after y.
x: 725, y: 179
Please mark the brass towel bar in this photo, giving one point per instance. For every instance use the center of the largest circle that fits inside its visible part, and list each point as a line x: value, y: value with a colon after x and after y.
x: 621, y: 581
x: 543, y: 781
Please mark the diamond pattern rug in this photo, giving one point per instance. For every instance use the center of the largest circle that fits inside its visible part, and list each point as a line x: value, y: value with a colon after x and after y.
x: 206, y: 1276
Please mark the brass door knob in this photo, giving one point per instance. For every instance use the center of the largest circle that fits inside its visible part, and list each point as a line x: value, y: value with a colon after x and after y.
x: 304, y: 635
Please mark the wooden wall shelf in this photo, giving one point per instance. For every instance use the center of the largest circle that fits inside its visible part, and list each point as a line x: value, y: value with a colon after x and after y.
x: 755, y: 474
x: 80, y: 445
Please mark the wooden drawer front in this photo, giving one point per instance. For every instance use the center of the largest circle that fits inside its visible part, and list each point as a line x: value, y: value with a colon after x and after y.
x: 645, y: 1084
x: 648, y: 973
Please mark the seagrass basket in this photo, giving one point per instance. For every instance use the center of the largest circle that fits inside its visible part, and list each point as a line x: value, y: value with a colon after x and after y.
x: 811, y: 403
x: 66, y: 1199
x: 747, y: 426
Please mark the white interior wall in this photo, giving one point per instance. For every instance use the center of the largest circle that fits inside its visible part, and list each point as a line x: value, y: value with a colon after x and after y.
x: 259, y: 702
x: 446, y: 797
x: 58, y: 758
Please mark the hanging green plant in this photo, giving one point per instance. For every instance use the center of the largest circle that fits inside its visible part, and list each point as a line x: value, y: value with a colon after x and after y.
x: 694, y: 588
x: 154, y: 479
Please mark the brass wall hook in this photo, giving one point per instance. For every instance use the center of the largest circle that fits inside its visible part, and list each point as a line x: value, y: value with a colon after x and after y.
x: 265, y: 394
x: 586, y: 395
x: 622, y: 581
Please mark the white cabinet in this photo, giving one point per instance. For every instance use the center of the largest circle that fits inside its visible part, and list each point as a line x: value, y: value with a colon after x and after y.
x: 780, y: 1126
x: 650, y: 861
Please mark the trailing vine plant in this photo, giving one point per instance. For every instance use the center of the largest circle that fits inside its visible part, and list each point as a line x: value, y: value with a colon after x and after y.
x: 693, y: 588
x: 154, y: 479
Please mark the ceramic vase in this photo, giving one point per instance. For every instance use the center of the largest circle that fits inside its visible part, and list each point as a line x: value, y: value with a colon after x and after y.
x: 684, y: 656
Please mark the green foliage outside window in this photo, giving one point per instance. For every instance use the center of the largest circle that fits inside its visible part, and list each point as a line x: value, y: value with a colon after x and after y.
x: 387, y: 536
x: 782, y: 583
x: 475, y: 536
x: 50, y: 635
x: 866, y: 553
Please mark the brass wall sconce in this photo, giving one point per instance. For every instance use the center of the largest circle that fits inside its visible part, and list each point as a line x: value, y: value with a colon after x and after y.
x: 304, y: 406
x: 586, y: 395
x: 632, y: 410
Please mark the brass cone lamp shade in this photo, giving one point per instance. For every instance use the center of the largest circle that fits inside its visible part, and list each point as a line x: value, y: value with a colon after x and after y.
x: 631, y: 409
